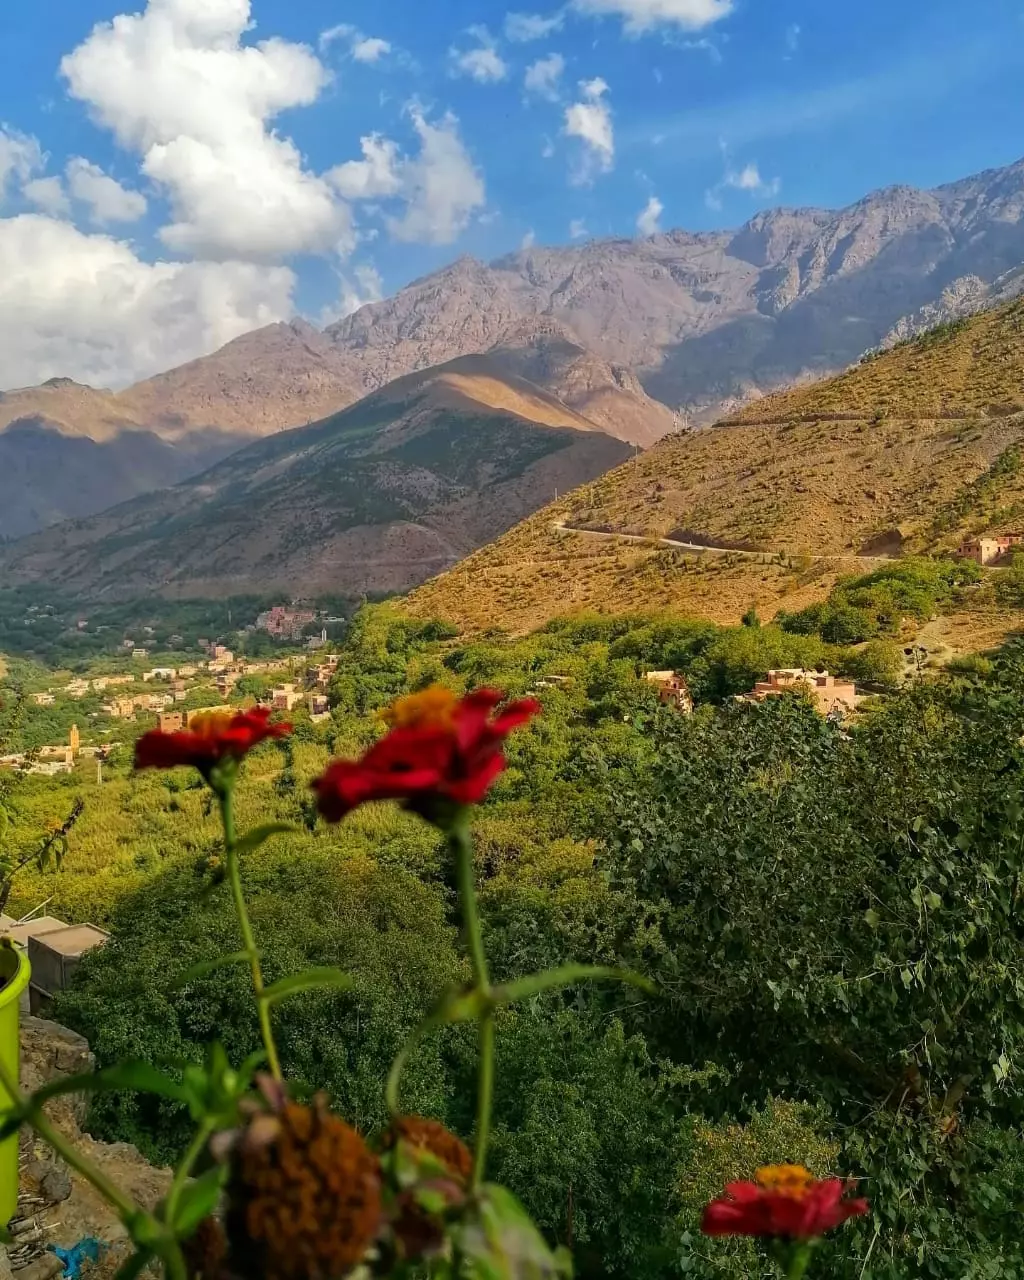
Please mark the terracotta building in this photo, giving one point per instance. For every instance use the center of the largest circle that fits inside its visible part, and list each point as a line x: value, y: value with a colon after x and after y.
x: 828, y: 693
x: 672, y: 689
x: 988, y: 550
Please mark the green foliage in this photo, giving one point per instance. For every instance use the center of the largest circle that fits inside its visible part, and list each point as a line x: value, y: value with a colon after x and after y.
x: 833, y: 917
x: 876, y: 604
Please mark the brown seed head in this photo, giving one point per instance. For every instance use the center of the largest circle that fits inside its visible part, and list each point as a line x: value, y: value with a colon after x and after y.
x: 205, y: 1251
x: 430, y: 1135
x: 305, y: 1201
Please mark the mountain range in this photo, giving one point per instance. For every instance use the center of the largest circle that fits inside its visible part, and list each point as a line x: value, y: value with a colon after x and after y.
x: 632, y: 338
x: 373, y: 499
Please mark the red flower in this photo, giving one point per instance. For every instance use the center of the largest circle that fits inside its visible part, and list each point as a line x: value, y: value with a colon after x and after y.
x: 440, y: 748
x: 211, y: 738
x: 784, y: 1201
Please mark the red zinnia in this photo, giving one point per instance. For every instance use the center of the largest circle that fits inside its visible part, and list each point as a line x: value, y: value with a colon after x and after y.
x: 784, y: 1200
x: 439, y: 748
x: 211, y: 738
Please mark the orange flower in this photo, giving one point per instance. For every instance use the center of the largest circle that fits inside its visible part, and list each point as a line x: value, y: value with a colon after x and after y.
x: 210, y: 739
x: 433, y: 1137
x: 442, y: 752
x: 784, y: 1201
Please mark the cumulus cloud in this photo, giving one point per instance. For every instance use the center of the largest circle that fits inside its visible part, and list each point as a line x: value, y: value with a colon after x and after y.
x: 543, y: 76
x: 647, y: 219
x: 482, y: 63
x: 84, y: 306
x: 47, y: 194
x: 746, y: 179
x: 20, y: 157
x: 441, y: 185
x: 524, y: 27
x: 376, y: 175
x: 361, y: 47
x: 108, y: 201
x: 176, y: 84
x: 639, y: 16
x: 590, y: 120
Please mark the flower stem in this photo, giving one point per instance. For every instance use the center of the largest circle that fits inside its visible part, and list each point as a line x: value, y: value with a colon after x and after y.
x: 235, y: 880
x: 461, y: 844
x: 799, y: 1261
x: 184, y: 1169
x: 126, y: 1207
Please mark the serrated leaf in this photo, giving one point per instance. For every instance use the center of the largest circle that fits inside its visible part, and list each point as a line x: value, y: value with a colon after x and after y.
x: 204, y: 967
x: 259, y: 835
x: 198, y: 1200
x: 309, y: 980
x: 565, y: 976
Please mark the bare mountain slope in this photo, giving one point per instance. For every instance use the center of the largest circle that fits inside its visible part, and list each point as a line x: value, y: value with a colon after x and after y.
x: 706, y: 318
x: 374, y: 498
x: 907, y: 453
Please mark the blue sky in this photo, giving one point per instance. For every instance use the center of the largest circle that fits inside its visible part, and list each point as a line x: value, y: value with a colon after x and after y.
x: 196, y: 180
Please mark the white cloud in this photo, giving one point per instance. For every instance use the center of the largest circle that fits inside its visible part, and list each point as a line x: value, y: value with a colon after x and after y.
x: 362, y: 48
x: 85, y: 306
x: 108, y: 201
x: 746, y: 179
x: 591, y: 121
x: 376, y: 175
x: 793, y: 37
x: 639, y: 16
x: 441, y: 185
x: 370, y: 49
x: 483, y: 64
x: 176, y: 84
x: 47, y: 194
x: 20, y: 157
x: 647, y: 219
x: 577, y: 229
x: 548, y: 149
x: 528, y: 240
x: 523, y: 27
x: 543, y: 76
x: 358, y: 290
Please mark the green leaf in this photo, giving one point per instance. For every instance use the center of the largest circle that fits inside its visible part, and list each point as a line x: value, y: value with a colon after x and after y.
x: 198, y: 1200
x: 259, y: 835
x: 139, y: 1076
x: 208, y: 966
x: 564, y: 976
x: 872, y: 918
x: 306, y: 981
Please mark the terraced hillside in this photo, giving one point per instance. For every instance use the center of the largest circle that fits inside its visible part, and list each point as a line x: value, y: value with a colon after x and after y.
x: 906, y: 453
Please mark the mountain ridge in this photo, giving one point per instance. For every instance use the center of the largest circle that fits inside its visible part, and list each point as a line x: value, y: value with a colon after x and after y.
x: 374, y: 498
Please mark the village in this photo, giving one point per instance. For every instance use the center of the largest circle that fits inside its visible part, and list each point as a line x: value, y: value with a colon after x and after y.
x: 164, y: 692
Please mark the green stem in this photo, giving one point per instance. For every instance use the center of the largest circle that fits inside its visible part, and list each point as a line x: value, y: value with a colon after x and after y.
x: 461, y: 845
x: 110, y: 1191
x: 181, y: 1174
x: 799, y: 1262
x: 235, y: 880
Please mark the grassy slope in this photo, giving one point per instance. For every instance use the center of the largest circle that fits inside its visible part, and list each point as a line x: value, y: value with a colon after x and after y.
x: 921, y: 441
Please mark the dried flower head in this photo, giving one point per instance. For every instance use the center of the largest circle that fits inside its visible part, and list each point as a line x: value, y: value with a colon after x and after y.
x: 304, y: 1196
x: 206, y: 1251
x: 431, y: 1136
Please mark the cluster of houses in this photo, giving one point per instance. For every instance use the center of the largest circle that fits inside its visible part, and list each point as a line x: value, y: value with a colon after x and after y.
x: 832, y: 697
x: 52, y: 760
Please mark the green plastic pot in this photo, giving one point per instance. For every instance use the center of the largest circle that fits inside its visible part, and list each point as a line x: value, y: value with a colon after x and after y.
x: 15, y: 972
